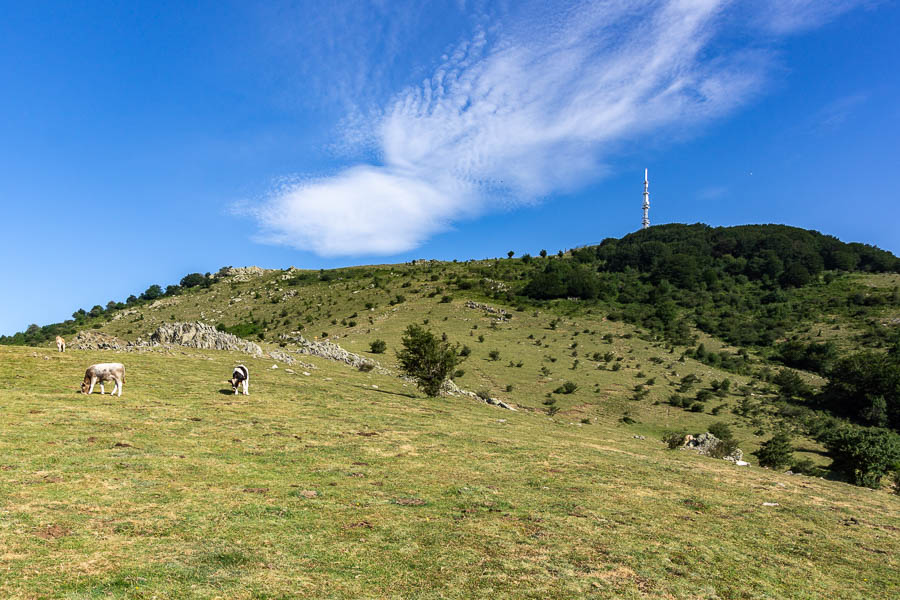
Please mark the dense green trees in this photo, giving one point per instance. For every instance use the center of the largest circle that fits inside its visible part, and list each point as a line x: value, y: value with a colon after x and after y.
x: 863, y: 454
x: 865, y: 387
x: 193, y: 280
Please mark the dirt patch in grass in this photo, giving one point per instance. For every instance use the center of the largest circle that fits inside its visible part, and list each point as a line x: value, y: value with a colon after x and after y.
x: 363, y: 524
x: 256, y: 490
x: 51, y: 532
x: 409, y: 501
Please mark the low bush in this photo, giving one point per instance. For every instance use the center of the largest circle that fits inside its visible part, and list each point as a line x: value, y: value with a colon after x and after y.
x: 674, y: 439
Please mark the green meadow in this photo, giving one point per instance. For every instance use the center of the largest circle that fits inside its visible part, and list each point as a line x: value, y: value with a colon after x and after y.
x: 343, y: 484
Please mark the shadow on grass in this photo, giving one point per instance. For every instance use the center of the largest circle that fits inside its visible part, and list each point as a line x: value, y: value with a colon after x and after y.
x: 226, y: 392
x: 371, y: 389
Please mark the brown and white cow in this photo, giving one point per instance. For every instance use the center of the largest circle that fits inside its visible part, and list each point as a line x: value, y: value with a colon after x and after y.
x: 103, y: 372
x: 60, y: 344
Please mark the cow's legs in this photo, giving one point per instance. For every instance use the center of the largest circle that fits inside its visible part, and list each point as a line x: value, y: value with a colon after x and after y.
x: 118, y: 387
x: 246, y: 384
x: 102, y: 391
x: 91, y: 390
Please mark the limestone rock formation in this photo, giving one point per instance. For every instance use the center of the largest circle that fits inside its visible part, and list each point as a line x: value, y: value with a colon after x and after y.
x: 329, y: 350
x: 202, y: 336
x: 94, y: 340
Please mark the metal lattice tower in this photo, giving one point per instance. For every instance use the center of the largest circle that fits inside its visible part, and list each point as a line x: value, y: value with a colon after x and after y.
x: 645, y: 222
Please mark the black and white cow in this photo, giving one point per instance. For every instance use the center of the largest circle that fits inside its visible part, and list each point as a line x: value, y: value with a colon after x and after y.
x: 103, y: 372
x: 240, y: 377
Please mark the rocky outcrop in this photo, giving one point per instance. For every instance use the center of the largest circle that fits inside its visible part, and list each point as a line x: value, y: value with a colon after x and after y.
x: 705, y: 443
x: 329, y: 350
x: 450, y: 388
x: 94, y: 340
x: 282, y: 357
x: 202, y: 336
x: 499, y: 312
x: 243, y: 273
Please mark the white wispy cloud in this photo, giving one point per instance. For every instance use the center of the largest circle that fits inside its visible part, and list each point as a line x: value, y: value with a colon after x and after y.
x: 789, y: 16
x: 518, y: 112
x: 835, y: 113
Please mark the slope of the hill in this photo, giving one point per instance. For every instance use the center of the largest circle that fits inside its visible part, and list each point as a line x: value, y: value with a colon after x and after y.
x: 643, y: 326
x: 344, y: 484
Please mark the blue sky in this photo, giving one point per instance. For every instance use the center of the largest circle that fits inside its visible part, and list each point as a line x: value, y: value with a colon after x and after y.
x: 143, y: 141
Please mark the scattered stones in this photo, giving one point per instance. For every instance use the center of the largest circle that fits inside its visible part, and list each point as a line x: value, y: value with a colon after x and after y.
x: 282, y: 357
x: 770, y: 504
x: 329, y: 350
x: 94, y: 340
x: 638, y: 437
x: 450, y: 388
x: 501, y: 314
x: 274, y: 367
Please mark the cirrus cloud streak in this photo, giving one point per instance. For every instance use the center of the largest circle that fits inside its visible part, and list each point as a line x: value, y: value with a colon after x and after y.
x: 519, y: 112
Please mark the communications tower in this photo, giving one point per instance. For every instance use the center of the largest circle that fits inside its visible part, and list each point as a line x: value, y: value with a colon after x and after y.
x: 645, y: 222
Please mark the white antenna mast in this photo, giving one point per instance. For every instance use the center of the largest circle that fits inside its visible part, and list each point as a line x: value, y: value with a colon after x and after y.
x: 645, y: 222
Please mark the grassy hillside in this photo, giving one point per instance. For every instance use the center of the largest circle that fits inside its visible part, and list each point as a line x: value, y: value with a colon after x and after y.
x: 324, y: 485
x: 341, y: 483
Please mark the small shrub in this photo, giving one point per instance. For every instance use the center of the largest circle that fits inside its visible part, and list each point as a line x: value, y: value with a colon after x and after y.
x: 568, y: 387
x: 458, y: 373
x: 721, y: 430
x: 509, y: 387
x: 724, y: 448
x: 365, y: 367
x: 674, y: 439
x: 465, y: 351
x: 494, y: 355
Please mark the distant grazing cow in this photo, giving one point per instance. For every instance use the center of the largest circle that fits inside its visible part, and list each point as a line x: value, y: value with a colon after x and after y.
x: 240, y: 378
x: 60, y: 344
x: 103, y: 372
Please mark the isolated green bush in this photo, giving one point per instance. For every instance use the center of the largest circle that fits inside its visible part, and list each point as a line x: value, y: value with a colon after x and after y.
x: 568, y: 387
x: 378, y: 347
x: 777, y: 452
x: 673, y: 439
x: 427, y: 358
